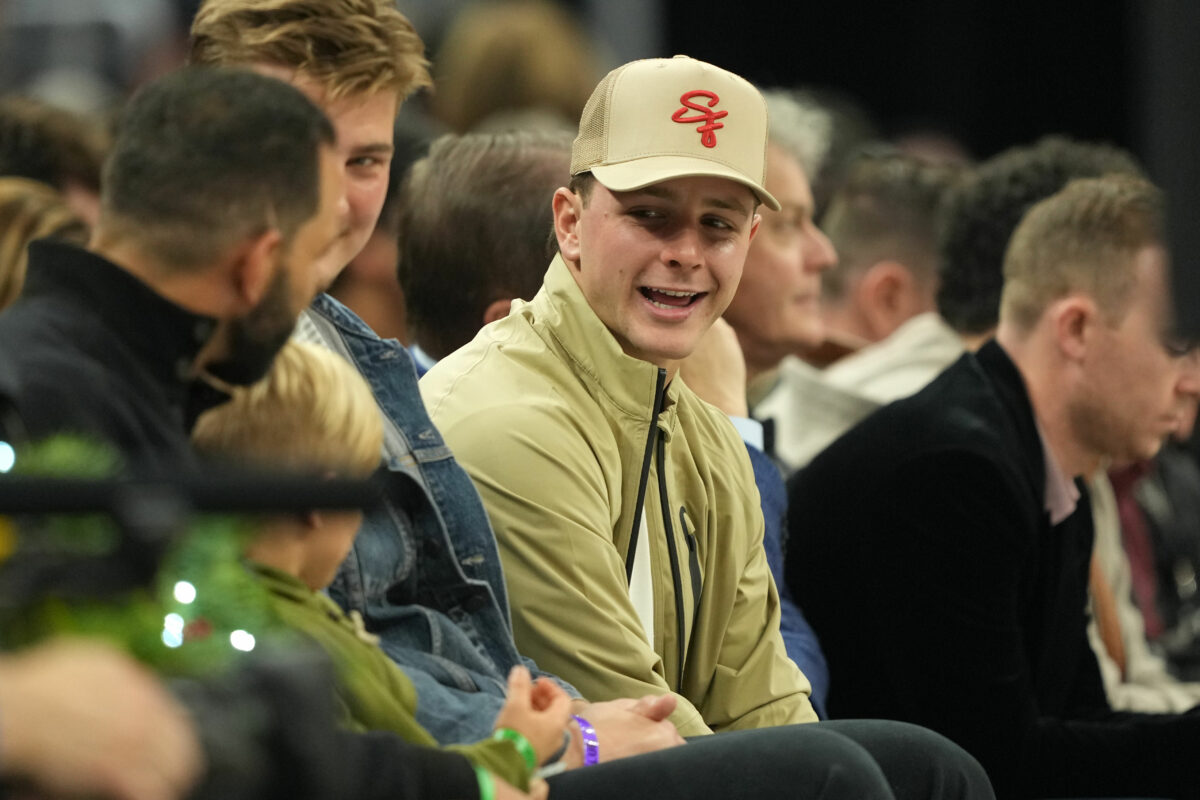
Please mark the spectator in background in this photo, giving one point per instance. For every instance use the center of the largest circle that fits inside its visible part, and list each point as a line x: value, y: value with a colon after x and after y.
x: 879, y: 296
x: 941, y: 549
x: 57, y: 147
x: 368, y: 285
x: 978, y: 217
x: 982, y: 211
x: 28, y: 211
x: 514, y: 63
x: 474, y: 228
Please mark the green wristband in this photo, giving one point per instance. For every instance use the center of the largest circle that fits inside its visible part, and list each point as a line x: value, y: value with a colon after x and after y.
x: 521, y: 743
x: 487, y: 786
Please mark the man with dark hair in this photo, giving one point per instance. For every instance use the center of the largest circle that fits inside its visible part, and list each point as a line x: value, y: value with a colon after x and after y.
x: 878, y: 300
x: 981, y: 212
x: 941, y: 547
x: 473, y: 233
x: 220, y: 194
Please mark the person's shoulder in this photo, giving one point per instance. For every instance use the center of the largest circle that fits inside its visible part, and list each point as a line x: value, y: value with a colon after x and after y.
x: 505, y: 369
x: 958, y: 417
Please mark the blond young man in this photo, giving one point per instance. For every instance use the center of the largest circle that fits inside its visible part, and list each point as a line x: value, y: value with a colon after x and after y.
x: 943, y: 550
x: 624, y: 505
x: 356, y: 59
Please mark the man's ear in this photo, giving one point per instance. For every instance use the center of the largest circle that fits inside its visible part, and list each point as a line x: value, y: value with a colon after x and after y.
x: 1073, y: 320
x: 253, y: 265
x: 567, y: 208
x: 887, y: 297
x: 497, y: 309
x: 755, y: 221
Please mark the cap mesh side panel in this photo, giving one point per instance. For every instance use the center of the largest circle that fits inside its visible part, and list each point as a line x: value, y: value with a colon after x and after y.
x: 591, y: 144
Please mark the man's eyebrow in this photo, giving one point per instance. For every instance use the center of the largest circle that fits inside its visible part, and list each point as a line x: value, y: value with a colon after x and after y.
x: 729, y: 204
x: 374, y: 149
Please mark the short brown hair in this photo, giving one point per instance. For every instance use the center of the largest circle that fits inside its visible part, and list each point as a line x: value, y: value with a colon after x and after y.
x: 349, y: 47
x: 886, y: 208
x: 29, y: 210
x: 1082, y: 239
x: 476, y: 214
x: 312, y: 412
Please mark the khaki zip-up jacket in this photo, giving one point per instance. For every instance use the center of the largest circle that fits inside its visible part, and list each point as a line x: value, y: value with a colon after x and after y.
x: 557, y: 426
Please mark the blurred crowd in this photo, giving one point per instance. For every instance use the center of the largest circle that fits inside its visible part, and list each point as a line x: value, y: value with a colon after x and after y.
x: 878, y: 282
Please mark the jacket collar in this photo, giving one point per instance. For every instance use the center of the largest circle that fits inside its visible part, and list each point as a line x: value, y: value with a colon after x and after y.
x: 165, y: 337
x: 561, y: 309
x: 1010, y: 389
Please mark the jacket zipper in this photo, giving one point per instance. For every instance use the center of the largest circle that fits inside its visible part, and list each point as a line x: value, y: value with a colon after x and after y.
x: 651, y: 437
x: 673, y: 554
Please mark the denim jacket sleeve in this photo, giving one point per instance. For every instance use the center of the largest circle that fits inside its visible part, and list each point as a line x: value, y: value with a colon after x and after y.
x: 424, y: 571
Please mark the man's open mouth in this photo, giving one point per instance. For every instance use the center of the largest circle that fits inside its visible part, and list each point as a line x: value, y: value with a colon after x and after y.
x: 668, y: 298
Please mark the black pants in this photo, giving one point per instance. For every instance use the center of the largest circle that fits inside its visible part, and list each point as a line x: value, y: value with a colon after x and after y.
x: 836, y: 760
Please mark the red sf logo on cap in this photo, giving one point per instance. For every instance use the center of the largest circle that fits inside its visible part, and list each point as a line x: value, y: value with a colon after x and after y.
x: 708, y: 117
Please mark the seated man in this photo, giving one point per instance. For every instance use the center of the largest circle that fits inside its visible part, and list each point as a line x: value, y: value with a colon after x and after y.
x: 462, y: 269
x: 625, y: 506
x: 881, y: 221
x: 121, y: 339
x: 942, y: 549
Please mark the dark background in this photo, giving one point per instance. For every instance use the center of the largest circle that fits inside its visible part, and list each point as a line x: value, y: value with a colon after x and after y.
x: 992, y: 74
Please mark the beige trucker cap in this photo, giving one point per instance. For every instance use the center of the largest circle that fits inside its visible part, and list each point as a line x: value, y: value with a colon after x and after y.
x: 661, y: 118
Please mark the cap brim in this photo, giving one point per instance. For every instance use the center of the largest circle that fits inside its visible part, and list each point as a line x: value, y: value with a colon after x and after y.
x: 642, y: 172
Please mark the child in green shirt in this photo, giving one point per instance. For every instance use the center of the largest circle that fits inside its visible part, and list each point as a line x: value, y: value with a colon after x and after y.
x: 313, y: 413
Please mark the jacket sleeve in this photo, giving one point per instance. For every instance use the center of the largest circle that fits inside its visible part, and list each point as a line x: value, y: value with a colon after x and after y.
x: 755, y: 683
x: 799, y: 639
x: 553, y: 514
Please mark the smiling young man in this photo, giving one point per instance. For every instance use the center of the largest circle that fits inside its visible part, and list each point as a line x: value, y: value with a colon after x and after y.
x: 624, y: 505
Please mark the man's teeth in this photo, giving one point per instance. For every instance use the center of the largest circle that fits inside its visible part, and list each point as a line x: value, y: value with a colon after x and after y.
x: 669, y: 293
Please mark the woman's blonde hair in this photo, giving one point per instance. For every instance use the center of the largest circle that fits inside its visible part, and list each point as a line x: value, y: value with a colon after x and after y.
x: 29, y: 210
x: 349, y: 47
x: 312, y: 412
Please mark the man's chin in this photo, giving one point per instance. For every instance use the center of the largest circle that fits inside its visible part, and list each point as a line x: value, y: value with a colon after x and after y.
x: 339, y: 256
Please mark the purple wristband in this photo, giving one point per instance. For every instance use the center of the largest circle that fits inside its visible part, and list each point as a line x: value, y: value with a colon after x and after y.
x: 591, y: 745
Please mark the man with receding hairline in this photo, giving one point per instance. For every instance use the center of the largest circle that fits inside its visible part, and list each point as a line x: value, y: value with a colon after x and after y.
x: 942, y: 551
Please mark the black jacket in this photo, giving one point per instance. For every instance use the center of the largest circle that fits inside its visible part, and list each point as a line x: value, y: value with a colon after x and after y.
x: 923, y: 556
x: 89, y: 349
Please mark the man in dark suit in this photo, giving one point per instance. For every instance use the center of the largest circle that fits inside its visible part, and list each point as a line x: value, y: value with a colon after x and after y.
x: 941, y: 547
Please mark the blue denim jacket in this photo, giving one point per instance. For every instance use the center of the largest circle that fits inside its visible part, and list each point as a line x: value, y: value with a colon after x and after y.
x: 424, y: 571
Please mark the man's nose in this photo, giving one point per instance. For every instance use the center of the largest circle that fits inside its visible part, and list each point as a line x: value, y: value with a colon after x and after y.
x: 819, y: 252
x: 683, y: 247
